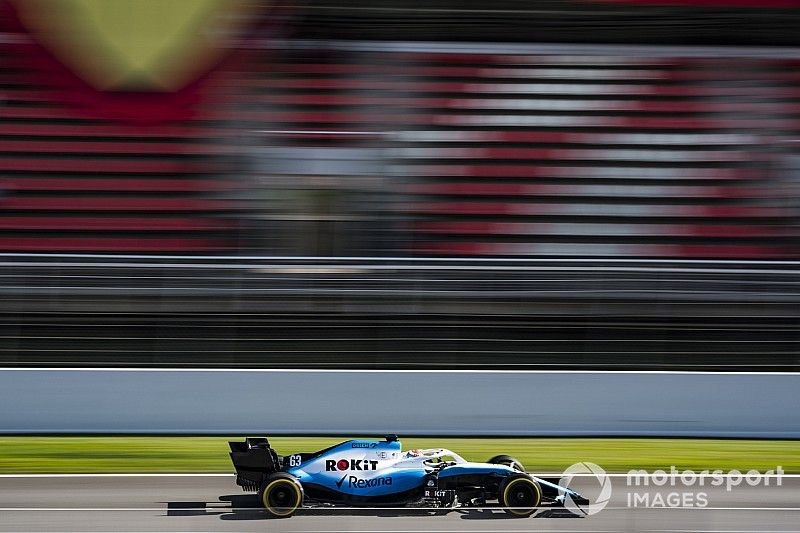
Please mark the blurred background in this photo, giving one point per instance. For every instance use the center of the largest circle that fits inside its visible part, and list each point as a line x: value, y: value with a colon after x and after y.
x: 609, y: 184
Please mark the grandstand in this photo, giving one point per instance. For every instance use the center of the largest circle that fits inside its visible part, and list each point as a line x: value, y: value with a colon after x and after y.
x: 518, y: 154
x: 562, y: 154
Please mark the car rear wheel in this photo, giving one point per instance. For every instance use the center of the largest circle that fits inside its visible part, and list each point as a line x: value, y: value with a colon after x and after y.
x: 508, y: 461
x: 281, y: 495
x: 520, y: 496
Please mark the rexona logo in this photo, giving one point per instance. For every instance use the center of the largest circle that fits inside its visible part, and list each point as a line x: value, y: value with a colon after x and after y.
x: 332, y: 465
x: 355, y: 483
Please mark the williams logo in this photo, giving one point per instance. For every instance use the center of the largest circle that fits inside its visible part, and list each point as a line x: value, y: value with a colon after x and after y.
x: 350, y: 464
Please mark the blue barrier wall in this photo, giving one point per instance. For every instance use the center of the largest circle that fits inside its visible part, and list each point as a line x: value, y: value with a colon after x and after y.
x: 405, y: 402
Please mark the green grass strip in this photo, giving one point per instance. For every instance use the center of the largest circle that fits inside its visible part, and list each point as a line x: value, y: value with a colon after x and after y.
x: 24, y: 455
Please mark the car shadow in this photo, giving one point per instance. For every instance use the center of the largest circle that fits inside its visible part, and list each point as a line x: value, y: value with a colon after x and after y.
x: 488, y: 513
x: 557, y: 512
x: 247, y: 507
x: 190, y: 509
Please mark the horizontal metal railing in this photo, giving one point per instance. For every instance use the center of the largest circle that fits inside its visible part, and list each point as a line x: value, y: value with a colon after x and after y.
x: 777, y: 281
x: 353, y: 312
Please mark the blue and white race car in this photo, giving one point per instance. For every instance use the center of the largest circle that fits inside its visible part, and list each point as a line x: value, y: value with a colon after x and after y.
x: 379, y: 473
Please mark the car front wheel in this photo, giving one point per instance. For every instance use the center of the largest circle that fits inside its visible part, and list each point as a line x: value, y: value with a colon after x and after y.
x: 519, y: 495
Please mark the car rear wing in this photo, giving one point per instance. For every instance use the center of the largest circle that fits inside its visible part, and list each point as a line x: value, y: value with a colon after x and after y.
x: 253, y: 460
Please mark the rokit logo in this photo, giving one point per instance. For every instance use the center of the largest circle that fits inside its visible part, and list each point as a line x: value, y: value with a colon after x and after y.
x: 332, y: 465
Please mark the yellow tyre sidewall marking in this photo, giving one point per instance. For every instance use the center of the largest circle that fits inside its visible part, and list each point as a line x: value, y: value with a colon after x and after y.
x: 532, y: 484
x: 265, y: 497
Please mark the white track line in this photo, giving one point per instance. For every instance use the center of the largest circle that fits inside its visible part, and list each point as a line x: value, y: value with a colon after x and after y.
x: 113, y: 475
x: 540, y: 475
x: 91, y: 509
x: 343, y: 509
x: 537, y: 530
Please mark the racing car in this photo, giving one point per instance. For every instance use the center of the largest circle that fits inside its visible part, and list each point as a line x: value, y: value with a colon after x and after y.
x: 379, y: 473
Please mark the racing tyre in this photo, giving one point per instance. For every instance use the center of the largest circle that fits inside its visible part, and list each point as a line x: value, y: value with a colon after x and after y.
x: 508, y: 461
x: 520, y: 495
x: 281, y: 495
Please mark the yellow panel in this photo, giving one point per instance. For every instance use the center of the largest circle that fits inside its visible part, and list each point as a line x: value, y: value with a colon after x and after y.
x: 135, y: 44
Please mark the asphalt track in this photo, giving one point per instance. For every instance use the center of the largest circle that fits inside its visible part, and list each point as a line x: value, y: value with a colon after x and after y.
x: 215, y: 503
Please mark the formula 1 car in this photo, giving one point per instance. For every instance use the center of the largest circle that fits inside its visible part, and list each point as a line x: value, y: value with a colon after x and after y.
x: 380, y: 474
